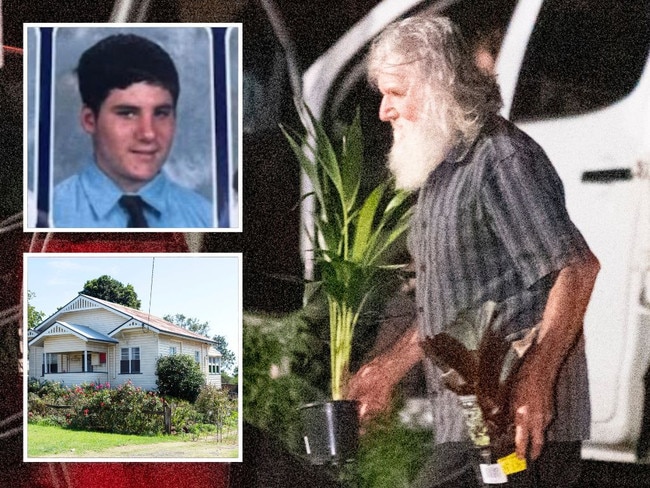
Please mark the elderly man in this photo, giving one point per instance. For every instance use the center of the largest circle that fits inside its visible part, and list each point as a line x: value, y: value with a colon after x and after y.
x: 129, y: 87
x: 490, y: 228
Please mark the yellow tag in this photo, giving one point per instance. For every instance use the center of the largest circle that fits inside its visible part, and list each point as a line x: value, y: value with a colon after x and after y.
x: 511, y: 464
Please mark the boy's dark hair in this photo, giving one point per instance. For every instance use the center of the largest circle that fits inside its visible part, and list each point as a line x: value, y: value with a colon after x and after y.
x: 120, y: 60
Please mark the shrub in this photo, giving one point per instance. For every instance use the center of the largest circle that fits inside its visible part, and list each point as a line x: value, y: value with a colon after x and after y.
x: 270, y: 401
x: 124, y: 410
x: 42, y: 393
x: 58, y: 420
x: 95, y: 406
x: 184, y: 416
x: 390, y: 454
x: 34, y: 385
x: 179, y: 376
x: 196, y: 431
x: 213, y: 403
x: 45, y: 388
x: 36, y: 405
x: 216, y: 406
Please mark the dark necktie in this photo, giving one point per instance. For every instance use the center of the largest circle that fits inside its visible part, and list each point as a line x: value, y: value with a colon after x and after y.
x: 134, y: 205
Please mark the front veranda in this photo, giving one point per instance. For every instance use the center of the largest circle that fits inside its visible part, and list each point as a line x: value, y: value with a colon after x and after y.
x: 71, y: 361
x: 74, y: 367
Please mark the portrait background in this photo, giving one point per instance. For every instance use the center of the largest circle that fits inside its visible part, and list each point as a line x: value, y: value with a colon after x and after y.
x: 200, y: 158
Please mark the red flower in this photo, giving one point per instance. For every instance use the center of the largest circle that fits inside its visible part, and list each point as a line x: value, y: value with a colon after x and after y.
x: 86, y: 412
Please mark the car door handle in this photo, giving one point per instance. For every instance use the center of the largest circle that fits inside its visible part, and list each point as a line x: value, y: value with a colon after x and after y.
x: 607, y: 175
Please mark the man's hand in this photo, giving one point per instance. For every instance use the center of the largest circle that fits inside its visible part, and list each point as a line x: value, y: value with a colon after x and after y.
x: 373, y: 384
x: 533, y: 407
x: 371, y: 387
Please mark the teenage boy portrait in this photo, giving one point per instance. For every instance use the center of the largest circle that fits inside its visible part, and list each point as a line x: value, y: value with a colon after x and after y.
x: 129, y: 87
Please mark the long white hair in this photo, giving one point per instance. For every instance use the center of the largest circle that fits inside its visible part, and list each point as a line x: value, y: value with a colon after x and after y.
x: 455, y: 88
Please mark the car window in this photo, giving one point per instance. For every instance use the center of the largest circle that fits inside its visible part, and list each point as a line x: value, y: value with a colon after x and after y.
x: 582, y: 57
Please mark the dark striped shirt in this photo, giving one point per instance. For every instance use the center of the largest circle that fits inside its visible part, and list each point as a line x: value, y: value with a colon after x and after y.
x: 491, y: 225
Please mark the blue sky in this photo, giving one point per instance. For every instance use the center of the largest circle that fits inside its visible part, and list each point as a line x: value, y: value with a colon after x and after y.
x: 202, y: 286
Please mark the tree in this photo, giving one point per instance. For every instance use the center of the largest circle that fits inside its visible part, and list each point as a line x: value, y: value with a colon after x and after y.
x: 188, y: 323
x: 228, y: 359
x: 109, y: 289
x: 227, y: 379
x: 179, y: 376
x: 34, y: 317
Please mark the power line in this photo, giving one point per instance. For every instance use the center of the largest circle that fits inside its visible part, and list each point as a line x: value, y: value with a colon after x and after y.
x: 153, y: 262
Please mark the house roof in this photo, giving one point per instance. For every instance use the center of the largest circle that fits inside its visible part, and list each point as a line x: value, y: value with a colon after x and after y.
x: 151, y: 320
x: 81, y: 331
x: 87, y: 332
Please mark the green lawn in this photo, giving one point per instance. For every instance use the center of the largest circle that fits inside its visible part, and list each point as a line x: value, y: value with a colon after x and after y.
x: 46, y: 440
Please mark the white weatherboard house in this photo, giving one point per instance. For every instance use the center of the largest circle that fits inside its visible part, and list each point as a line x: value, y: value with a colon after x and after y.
x: 92, y: 340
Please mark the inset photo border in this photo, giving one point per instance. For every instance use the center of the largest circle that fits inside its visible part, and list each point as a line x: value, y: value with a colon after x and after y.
x: 93, y: 388
x: 78, y: 161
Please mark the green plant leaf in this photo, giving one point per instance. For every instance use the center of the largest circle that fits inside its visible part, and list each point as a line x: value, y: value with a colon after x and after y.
x: 351, y: 161
x: 387, y: 238
x: 365, y: 220
x: 305, y: 156
x: 326, y: 156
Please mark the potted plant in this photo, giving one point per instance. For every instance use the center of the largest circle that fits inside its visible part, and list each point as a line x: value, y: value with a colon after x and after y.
x: 351, y: 241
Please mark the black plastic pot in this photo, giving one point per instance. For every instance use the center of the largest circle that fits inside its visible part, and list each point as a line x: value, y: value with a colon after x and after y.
x: 331, y: 431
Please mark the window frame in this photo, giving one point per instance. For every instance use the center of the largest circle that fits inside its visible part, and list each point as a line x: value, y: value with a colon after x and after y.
x: 214, y: 365
x: 130, y: 364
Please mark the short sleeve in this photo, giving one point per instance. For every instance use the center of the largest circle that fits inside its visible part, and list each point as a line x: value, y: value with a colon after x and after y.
x: 523, y: 201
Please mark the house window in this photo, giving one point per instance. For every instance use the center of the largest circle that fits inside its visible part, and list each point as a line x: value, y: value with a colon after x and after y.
x: 213, y: 365
x: 172, y: 350
x: 197, y: 356
x: 51, y: 363
x: 135, y: 360
x: 130, y: 360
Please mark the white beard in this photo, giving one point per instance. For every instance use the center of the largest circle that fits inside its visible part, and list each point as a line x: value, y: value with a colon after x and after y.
x: 418, y: 148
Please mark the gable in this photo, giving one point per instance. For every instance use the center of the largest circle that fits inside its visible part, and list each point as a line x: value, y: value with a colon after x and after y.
x: 111, y: 318
x: 86, y: 310
x: 82, y: 302
x: 99, y: 319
